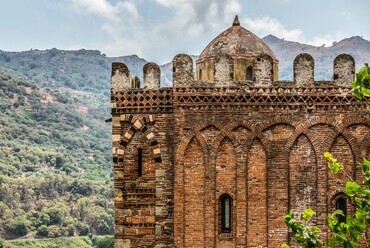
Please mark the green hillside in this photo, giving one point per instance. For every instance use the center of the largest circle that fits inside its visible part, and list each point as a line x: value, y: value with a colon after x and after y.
x: 55, y: 169
x: 72, y: 242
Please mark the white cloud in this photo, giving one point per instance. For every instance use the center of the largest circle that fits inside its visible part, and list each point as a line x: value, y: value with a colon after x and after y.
x: 266, y: 25
x: 187, y: 27
x: 130, y: 8
x: 326, y: 39
x: 100, y: 7
x: 131, y: 31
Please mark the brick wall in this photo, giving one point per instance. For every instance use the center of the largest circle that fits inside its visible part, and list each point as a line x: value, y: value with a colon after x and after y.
x: 262, y: 146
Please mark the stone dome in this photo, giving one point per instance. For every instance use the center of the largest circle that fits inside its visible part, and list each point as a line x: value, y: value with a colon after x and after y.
x: 236, y: 42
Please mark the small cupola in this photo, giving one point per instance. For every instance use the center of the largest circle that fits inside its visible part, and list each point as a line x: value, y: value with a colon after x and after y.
x: 236, y: 55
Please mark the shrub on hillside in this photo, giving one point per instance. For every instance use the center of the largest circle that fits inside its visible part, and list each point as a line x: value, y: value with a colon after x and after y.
x: 42, y: 231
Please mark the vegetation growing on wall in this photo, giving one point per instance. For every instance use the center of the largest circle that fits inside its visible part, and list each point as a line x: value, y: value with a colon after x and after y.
x: 354, y: 230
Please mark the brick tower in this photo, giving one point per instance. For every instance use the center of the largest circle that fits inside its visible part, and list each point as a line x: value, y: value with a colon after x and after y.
x: 220, y: 157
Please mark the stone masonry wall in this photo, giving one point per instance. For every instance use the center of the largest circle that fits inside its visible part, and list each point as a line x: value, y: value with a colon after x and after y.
x: 344, y: 69
x: 303, y: 69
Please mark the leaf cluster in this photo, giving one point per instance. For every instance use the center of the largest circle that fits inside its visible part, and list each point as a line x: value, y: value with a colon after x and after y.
x: 305, y: 234
x: 361, y: 86
x: 348, y: 234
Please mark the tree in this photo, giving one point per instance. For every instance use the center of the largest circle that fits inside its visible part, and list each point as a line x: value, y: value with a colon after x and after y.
x: 59, y: 162
x: 18, y: 226
x: 42, y: 231
x: 354, y: 230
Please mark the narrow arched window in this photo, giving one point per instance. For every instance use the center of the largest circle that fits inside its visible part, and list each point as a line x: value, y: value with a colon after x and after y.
x: 341, y: 205
x: 140, y: 162
x: 200, y: 74
x: 249, y: 73
x: 226, y: 207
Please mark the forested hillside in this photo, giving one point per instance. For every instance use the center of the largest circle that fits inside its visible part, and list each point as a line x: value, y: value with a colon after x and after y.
x: 55, y: 172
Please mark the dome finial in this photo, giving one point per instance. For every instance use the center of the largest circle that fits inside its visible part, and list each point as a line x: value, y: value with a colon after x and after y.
x: 236, y: 21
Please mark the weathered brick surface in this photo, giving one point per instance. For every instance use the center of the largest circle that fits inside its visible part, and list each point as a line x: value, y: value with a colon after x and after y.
x: 226, y: 183
x: 257, y: 196
x: 268, y: 159
x: 260, y: 142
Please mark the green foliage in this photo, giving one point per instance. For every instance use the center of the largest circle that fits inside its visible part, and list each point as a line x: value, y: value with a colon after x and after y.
x: 103, y: 241
x: 19, y: 226
x: 351, y: 233
x: 361, y: 86
x: 42, y: 231
x: 333, y: 164
x: 355, y: 229
x: 1, y: 243
x: 83, y: 230
x: 56, y: 213
x: 306, y: 235
x: 52, y: 157
x: 55, y: 231
x: 80, y: 242
x: 71, y: 230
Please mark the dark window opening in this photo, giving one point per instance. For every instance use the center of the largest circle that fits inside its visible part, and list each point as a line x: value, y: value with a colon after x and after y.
x: 335, y: 76
x: 173, y: 69
x: 140, y: 162
x: 226, y: 207
x: 200, y: 74
x: 249, y: 73
x: 231, y: 75
x: 341, y: 205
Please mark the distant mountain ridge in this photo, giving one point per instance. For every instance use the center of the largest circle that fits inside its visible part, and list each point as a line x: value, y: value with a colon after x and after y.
x: 91, y: 68
x: 286, y: 51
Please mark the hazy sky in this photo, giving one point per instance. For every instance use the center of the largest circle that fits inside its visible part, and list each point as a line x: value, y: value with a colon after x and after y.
x: 159, y: 29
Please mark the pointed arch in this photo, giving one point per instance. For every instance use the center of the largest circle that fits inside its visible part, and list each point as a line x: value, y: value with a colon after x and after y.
x: 257, y: 227
x: 303, y: 175
x: 194, y: 194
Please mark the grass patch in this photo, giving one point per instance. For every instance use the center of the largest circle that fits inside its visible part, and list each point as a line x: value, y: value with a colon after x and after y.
x: 80, y: 242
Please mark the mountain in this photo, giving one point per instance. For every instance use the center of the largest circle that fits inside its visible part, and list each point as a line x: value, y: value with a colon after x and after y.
x: 286, y: 51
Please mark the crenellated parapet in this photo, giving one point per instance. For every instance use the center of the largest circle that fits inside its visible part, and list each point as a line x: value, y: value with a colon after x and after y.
x: 303, y: 67
x: 129, y: 97
x: 264, y: 70
x: 121, y: 78
x: 152, y: 76
x: 182, y: 69
x: 344, y: 69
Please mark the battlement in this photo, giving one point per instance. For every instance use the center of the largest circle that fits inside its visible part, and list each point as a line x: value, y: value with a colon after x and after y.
x: 187, y: 92
x: 183, y: 74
